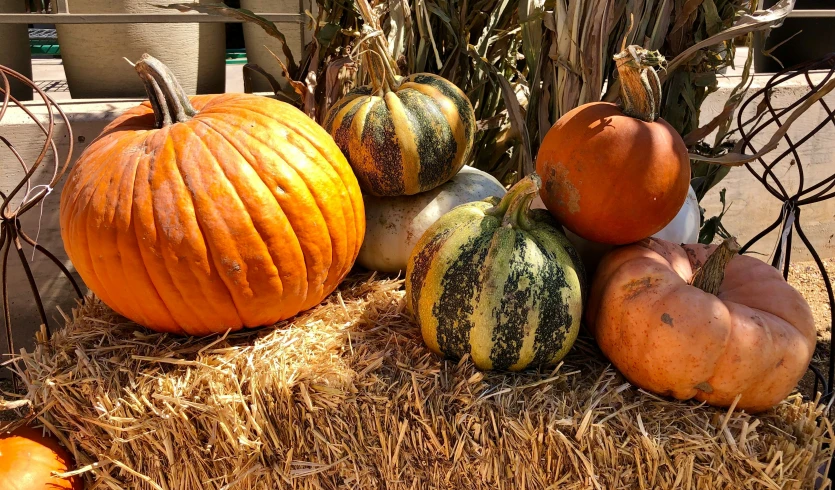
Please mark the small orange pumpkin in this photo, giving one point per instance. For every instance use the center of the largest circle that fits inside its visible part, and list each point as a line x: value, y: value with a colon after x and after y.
x: 219, y: 212
x: 28, y: 459
x: 696, y: 321
x: 616, y: 175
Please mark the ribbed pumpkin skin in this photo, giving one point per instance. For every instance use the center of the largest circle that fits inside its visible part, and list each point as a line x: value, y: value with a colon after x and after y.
x: 240, y: 217
x: 510, y: 298
x: 408, y: 141
x: 754, y: 338
x: 27, y: 460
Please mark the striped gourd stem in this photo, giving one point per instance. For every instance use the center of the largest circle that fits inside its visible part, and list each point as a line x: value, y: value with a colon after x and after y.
x: 640, y: 88
x: 381, y: 67
x: 515, y: 206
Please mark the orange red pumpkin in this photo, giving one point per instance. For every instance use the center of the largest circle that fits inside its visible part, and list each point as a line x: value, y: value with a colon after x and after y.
x: 28, y: 459
x: 738, y: 329
x: 615, y: 174
x: 197, y: 215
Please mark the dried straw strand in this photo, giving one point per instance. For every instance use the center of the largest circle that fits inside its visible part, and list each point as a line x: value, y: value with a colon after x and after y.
x: 347, y: 396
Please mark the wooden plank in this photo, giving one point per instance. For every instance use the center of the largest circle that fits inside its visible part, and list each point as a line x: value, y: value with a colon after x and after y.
x: 812, y: 13
x: 172, y: 18
x: 62, y: 6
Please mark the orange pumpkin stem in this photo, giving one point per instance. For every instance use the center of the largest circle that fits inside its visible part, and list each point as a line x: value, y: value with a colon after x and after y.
x: 640, y: 88
x: 168, y: 98
x: 516, y: 204
x: 709, y: 277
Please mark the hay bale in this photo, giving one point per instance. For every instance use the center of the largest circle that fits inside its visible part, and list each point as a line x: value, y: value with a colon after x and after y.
x: 347, y: 396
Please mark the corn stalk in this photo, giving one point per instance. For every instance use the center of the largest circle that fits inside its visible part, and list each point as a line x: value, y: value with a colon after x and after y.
x: 525, y: 63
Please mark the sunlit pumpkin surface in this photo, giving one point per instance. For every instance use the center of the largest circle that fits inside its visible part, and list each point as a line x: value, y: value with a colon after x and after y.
x: 498, y: 282
x: 243, y: 215
x: 406, y: 141
x: 754, y: 338
x: 27, y: 460
x: 611, y: 178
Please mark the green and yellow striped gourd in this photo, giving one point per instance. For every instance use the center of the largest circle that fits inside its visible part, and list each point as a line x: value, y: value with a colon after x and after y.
x: 402, y: 136
x: 498, y: 281
x: 409, y: 136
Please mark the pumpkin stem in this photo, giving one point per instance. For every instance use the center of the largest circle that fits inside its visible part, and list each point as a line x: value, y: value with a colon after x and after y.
x: 381, y: 67
x: 640, y: 88
x: 709, y: 277
x: 516, y: 204
x: 168, y: 99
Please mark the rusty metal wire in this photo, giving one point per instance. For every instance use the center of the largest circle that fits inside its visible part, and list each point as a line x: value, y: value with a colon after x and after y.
x: 766, y: 117
x: 28, y: 193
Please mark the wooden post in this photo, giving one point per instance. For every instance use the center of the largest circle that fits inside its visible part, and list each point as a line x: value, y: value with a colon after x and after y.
x: 62, y: 6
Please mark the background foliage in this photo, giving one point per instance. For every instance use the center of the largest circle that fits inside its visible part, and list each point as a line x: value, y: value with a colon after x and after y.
x: 525, y: 63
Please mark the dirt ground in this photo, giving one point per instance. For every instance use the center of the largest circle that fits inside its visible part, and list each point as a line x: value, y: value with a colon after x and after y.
x: 6, y: 387
x: 807, y: 279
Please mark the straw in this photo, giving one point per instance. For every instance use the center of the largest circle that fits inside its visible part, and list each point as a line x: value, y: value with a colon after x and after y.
x: 347, y: 396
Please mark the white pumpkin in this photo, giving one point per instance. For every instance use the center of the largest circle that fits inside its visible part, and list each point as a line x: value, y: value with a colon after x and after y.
x: 393, y: 225
x: 684, y: 228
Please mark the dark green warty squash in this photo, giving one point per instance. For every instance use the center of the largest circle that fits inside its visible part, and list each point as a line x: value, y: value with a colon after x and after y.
x: 404, y: 137
x: 498, y: 281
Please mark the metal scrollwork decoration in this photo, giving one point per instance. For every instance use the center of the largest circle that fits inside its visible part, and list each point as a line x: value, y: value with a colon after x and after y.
x: 774, y: 171
x: 29, y: 193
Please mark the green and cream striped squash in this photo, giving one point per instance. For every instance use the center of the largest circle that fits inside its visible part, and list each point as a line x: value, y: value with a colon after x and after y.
x: 498, y: 281
x: 404, y: 141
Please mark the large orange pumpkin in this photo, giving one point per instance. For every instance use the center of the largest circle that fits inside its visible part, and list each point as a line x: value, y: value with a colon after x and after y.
x: 214, y: 213
x: 738, y: 329
x: 616, y: 175
x: 27, y: 460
